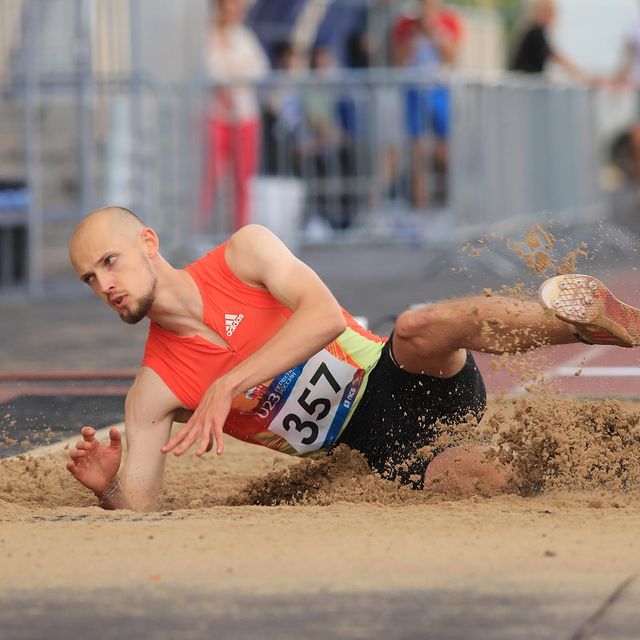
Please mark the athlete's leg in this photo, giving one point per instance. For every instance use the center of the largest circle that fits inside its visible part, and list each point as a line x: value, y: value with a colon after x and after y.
x: 433, y: 339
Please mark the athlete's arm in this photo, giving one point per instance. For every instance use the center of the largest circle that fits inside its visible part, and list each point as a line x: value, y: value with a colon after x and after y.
x: 259, y: 258
x: 149, y: 411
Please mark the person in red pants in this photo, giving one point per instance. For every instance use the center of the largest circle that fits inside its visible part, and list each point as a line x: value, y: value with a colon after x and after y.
x: 233, y: 56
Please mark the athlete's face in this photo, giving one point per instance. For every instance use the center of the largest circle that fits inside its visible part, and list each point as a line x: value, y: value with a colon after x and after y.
x: 117, y: 267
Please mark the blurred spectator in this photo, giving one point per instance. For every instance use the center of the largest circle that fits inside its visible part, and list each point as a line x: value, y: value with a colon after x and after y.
x: 323, y: 155
x: 533, y: 49
x: 283, y: 116
x: 629, y: 74
x: 429, y: 43
x: 319, y: 101
x: 358, y: 50
x: 234, y: 55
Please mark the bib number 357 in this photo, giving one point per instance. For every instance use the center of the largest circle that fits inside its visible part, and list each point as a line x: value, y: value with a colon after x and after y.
x: 308, y: 413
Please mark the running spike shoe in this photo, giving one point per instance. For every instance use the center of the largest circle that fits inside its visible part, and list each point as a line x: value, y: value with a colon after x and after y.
x: 587, y: 304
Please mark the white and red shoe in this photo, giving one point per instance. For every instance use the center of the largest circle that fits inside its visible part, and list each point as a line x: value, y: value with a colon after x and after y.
x: 587, y: 304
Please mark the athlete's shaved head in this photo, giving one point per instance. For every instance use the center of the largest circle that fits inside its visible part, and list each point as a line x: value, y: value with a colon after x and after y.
x: 115, y: 220
x: 113, y: 251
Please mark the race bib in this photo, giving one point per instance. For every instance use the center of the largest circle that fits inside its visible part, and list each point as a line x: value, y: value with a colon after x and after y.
x: 309, y: 404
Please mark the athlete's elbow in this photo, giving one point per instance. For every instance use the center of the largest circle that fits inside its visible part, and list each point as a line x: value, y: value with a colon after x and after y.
x: 336, y: 324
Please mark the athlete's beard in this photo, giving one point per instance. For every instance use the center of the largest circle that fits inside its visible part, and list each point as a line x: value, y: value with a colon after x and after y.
x: 133, y: 316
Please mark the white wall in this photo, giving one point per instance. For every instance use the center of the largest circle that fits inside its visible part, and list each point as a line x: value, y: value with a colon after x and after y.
x: 593, y: 32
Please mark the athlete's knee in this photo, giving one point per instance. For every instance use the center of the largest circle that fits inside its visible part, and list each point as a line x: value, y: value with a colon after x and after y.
x: 415, y: 322
x: 468, y: 470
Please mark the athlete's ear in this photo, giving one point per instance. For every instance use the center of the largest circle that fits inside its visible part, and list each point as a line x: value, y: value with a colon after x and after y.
x: 151, y: 242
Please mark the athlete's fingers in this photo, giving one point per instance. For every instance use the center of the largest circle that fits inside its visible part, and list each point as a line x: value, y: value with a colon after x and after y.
x: 188, y: 440
x: 175, y: 441
x: 75, y: 454
x: 204, y: 442
x: 71, y: 467
x: 88, y: 433
x: 185, y: 445
x: 115, y: 439
x: 217, y: 431
x: 180, y: 436
x: 205, y: 439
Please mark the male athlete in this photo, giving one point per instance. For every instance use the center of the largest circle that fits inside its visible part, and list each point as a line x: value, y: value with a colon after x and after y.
x: 248, y: 340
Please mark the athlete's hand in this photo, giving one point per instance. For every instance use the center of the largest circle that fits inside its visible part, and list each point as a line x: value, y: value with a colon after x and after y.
x: 205, y: 424
x: 94, y: 464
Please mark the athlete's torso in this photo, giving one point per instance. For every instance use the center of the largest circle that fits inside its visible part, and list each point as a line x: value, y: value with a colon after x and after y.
x: 300, y: 411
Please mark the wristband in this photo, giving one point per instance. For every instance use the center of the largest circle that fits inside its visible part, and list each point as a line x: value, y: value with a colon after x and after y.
x: 111, y: 491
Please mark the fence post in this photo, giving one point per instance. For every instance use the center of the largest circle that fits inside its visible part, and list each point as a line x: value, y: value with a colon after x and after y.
x: 84, y: 103
x: 137, y: 133
x: 32, y: 147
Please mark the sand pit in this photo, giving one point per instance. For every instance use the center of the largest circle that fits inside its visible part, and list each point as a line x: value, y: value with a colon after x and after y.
x: 573, y: 518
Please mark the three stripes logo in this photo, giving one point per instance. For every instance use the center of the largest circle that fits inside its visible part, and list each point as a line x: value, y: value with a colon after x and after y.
x: 231, y: 322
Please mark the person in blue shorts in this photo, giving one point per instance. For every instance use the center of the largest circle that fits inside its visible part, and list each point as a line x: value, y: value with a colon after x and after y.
x: 427, y: 43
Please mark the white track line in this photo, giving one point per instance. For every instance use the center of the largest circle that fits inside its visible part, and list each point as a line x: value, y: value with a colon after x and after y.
x: 598, y: 372
x: 574, y: 364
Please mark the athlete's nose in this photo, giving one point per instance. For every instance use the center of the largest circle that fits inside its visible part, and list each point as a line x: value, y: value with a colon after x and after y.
x: 106, y: 282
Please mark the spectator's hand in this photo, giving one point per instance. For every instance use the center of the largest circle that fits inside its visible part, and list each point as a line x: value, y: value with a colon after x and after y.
x: 205, y: 424
x: 94, y: 464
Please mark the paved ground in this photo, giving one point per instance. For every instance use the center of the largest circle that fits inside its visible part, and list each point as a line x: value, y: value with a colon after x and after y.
x: 416, y: 615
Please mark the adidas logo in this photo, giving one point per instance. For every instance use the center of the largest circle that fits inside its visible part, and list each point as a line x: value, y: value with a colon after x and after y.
x: 231, y: 322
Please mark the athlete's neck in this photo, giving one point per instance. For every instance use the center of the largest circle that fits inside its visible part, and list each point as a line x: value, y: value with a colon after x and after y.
x: 177, y: 306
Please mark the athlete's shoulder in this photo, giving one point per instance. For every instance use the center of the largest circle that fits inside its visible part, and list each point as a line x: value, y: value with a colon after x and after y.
x: 251, y: 234
x: 253, y: 251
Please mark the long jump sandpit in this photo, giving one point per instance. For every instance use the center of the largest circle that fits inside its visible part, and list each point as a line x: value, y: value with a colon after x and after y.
x: 339, y: 553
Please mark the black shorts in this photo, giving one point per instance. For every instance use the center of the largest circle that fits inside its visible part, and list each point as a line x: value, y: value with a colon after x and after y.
x: 398, y: 412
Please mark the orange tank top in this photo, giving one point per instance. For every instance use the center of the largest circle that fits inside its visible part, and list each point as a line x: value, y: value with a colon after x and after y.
x: 300, y: 411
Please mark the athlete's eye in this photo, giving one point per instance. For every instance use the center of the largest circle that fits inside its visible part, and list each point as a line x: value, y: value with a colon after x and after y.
x: 110, y: 260
x: 88, y: 280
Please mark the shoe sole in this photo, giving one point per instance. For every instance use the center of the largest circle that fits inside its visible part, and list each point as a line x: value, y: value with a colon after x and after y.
x: 587, y: 303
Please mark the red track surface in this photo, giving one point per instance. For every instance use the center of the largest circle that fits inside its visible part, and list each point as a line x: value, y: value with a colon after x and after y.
x: 575, y: 369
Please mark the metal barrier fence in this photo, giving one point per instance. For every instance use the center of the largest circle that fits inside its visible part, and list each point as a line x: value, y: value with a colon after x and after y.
x: 517, y: 153
x: 342, y: 157
x: 524, y: 151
